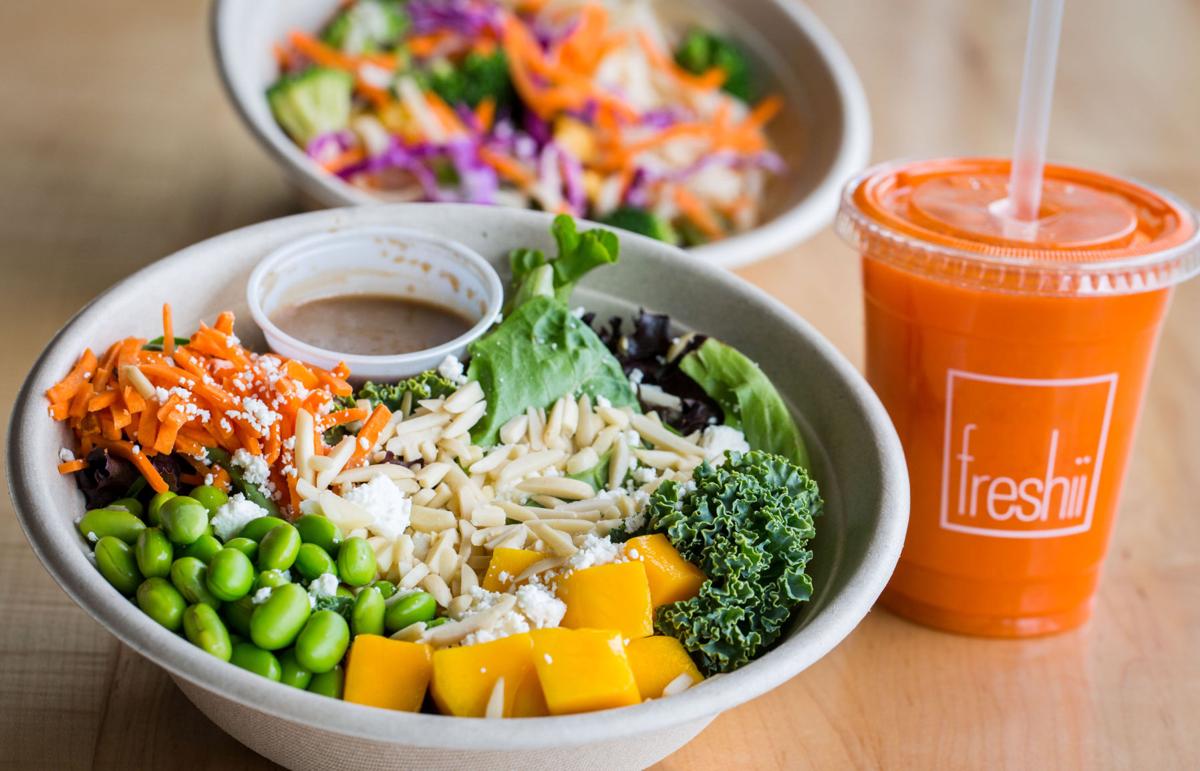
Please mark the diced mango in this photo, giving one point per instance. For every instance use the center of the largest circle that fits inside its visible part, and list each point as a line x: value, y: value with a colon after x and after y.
x: 464, y: 678
x: 506, y: 565
x: 612, y: 596
x: 672, y: 578
x: 386, y: 673
x: 658, y: 660
x: 582, y: 670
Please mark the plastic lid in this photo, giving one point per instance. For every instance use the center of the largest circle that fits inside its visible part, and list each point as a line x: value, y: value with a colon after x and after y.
x: 946, y: 219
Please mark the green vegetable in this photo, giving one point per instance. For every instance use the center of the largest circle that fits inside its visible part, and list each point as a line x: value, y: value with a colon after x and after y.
x: 368, y: 613
x: 427, y: 385
x: 341, y: 603
x: 257, y: 528
x: 700, y: 51
x: 157, y: 343
x: 162, y: 602
x: 278, y: 548
x: 367, y: 26
x: 644, y: 222
x: 190, y: 577
x: 251, y: 492
x: 748, y: 399
x: 203, y: 548
x: 578, y: 253
x: 245, y: 545
x: 204, y: 628
x: 536, y: 355
x: 356, y: 563
x: 323, y: 641
x: 154, y: 510
x: 119, y: 523
x: 184, y: 519
x: 476, y: 77
x: 230, y: 575
x: 291, y: 673
x: 385, y: 587
x: 271, y: 579
x: 237, y: 614
x: 313, y: 102
x: 312, y: 561
x: 154, y: 553
x: 278, y: 621
x: 213, y: 498
x: 116, y: 563
x: 132, y: 505
x: 329, y: 683
x: 403, y: 610
x: 254, y: 659
x: 746, y: 525
x: 319, y: 531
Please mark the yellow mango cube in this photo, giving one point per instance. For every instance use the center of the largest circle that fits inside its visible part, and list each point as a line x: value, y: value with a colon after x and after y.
x: 613, y: 596
x: 657, y: 661
x: 582, y: 670
x: 506, y: 565
x: 671, y: 577
x: 386, y: 673
x: 464, y: 678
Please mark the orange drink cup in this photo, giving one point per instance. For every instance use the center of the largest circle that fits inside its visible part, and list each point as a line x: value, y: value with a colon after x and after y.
x: 1012, y: 358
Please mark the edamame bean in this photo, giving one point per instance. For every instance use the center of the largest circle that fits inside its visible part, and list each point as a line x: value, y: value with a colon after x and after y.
x: 436, y: 622
x: 409, y: 609
x: 204, y: 628
x: 368, y: 613
x: 132, y: 505
x: 319, y: 531
x: 278, y: 548
x: 277, y: 622
x: 323, y: 641
x: 312, y: 561
x: 184, y: 519
x: 255, y: 529
x: 117, y: 564
x: 162, y: 602
x: 119, y: 523
x: 254, y: 659
x: 230, y: 575
x: 272, y: 578
x: 212, y: 498
x: 292, y: 673
x: 154, y: 553
x: 244, y: 545
x: 203, y: 548
x: 356, y: 562
x: 237, y: 614
x: 329, y: 683
x: 385, y: 587
x: 190, y: 577
x: 154, y: 511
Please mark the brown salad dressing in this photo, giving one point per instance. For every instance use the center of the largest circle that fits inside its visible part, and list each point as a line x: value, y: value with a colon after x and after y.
x: 371, y: 324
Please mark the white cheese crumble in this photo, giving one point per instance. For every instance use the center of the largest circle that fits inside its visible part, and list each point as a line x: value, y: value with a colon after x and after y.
x: 716, y: 440
x: 254, y: 468
x: 389, y: 508
x: 261, y: 596
x: 542, y: 608
x: 594, y: 551
x: 65, y: 455
x: 233, y: 516
x: 324, y: 585
x: 452, y: 369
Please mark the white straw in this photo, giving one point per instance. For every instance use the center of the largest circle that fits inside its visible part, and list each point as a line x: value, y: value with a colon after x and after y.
x: 1033, y: 115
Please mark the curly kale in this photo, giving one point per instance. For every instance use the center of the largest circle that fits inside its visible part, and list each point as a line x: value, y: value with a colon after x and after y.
x: 747, y: 525
x: 427, y: 385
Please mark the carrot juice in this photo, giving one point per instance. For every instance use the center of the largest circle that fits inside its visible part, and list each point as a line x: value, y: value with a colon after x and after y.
x: 1012, y: 359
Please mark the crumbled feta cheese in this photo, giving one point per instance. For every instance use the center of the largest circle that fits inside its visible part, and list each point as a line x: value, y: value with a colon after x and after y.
x: 547, y: 658
x: 645, y: 474
x: 254, y: 467
x: 634, y: 522
x: 65, y: 455
x: 233, y: 516
x: 719, y: 439
x: 634, y: 554
x: 579, y: 311
x: 542, y: 608
x: 452, y: 369
x: 261, y: 596
x: 389, y: 508
x: 324, y: 585
x: 91, y: 536
x: 635, y: 376
x: 594, y: 551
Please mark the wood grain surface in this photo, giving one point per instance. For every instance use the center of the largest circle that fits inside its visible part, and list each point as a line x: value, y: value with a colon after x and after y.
x: 117, y: 147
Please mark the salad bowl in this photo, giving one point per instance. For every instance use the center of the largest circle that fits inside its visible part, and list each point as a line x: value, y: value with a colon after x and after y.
x: 822, y: 133
x: 855, y: 457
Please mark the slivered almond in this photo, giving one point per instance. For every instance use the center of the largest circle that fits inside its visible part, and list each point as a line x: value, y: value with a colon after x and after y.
x: 414, y: 576
x: 661, y: 438
x: 138, y: 380
x: 464, y: 422
x: 462, y: 399
x: 559, y: 487
x: 582, y: 461
x: 455, y: 631
x: 558, y: 543
x: 343, y: 513
x: 531, y: 463
x: 432, y: 475
x: 430, y: 520
x: 495, y: 702
x: 435, y: 585
x: 421, y: 423
x: 514, y: 430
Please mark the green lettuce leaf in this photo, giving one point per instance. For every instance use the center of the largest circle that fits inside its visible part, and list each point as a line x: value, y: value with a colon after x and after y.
x: 578, y: 253
x: 748, y: 399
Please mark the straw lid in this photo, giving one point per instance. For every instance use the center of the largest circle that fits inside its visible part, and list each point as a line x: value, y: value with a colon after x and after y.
x: 947, y: 219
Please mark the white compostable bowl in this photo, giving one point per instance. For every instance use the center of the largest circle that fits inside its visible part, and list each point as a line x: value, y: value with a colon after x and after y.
x: 856, y: 460
x: 381, y: 260
x: 823, y: 132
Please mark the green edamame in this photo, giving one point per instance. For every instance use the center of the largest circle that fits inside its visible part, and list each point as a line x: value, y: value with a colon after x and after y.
x: 190, y: 577
x: 117, y: 564
x: 244, y: 545
x: 409, y: 609
x: 119, y: 523
x: 154, y: 510
x: 319, y: 531
x: 312, y: 561
x: 272, y: 578
x: 292, y: 673
x: 434, y: 623
x: 205, y: 629
x: 203, y: 548
x: 344, y: 591
x: 237, y: 614
x: 329, y: 683
x: 254, y: 659
x: 277, y: 622
x: 386, y: 588
x: 154, y: 553
x: 368, y: 613
x: 132, y: 505
x: 255, y: 529
x: 356, y: 562
x: 323, y: 641
x: 212, y: 498
x: 184, y: 519
x: 278, y: 548
x: 162, y: 602
x: 230, y: 575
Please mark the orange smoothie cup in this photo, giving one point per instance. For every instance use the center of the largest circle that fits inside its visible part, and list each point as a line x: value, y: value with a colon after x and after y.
x: 1012, y: 359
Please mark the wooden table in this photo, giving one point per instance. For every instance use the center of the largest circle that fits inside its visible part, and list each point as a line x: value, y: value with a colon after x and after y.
x: 118, y: 148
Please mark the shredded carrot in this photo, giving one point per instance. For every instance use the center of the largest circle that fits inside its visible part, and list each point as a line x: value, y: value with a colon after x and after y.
x: 69, y: 386
x: 345, y: 159
x: 485, y: 113
x: 697, y: 212
x: 369, y: 433
x: 507, y: 168
x: 342, y: 417
x: 71, y: 466
x: 168, y: 345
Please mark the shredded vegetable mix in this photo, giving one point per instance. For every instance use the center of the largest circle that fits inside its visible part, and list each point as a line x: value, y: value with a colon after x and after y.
x: 590, y: 109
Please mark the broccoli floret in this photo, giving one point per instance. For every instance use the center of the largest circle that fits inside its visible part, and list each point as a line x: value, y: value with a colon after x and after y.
x: 368, y: 26
x: 700, y: 51
x: 476, y: 77
x: 643, y: 222
x: 312, y: 103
